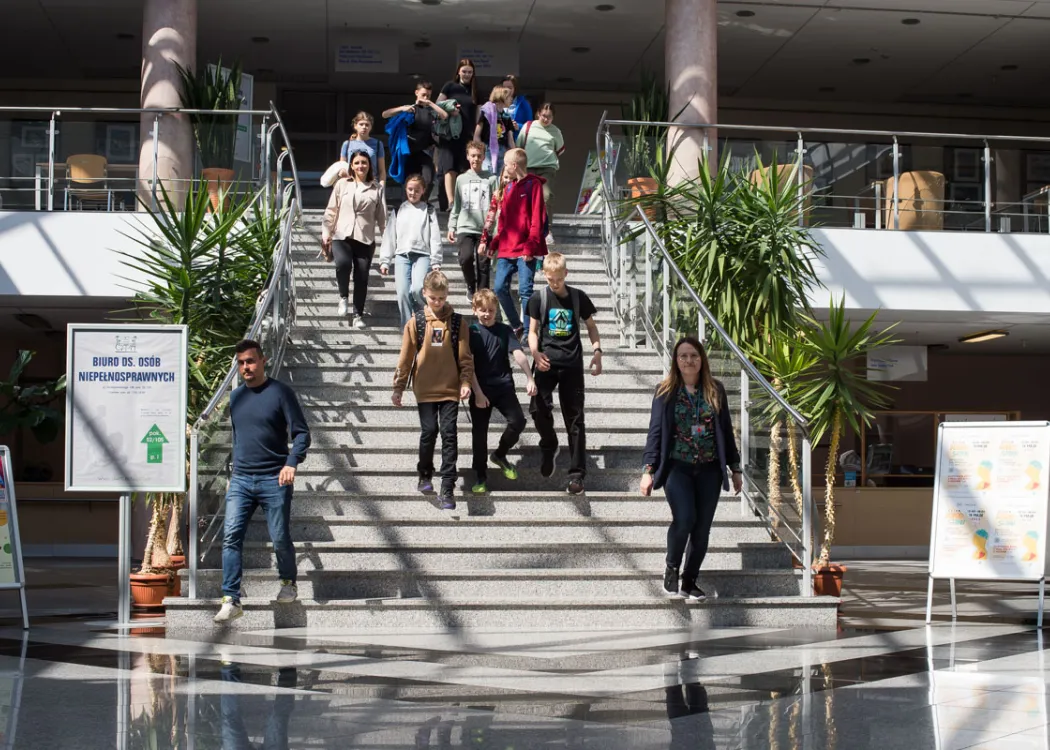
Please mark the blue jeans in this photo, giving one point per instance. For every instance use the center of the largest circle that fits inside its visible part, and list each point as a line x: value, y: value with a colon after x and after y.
x: 246, y: 493
x: 409, y: 272
x: 526, y: 270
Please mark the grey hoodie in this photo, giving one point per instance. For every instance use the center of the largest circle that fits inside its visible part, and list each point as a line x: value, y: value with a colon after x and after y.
x: 473, y: 195
x: 412, y: 228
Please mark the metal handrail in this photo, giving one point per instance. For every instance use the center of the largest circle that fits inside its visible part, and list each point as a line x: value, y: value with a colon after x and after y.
x: 140, y: 110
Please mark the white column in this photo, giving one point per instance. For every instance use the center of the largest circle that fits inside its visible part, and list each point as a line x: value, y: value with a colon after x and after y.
x: 691, y: 64
x: 169, y: 35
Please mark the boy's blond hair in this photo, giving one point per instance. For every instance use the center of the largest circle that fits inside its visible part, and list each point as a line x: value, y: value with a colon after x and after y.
x: 436, y: 281
x: 484, y: 298
x: 554, y: 262
x: 477, y: 146
x: 517, y: 154
x: 500, y: 94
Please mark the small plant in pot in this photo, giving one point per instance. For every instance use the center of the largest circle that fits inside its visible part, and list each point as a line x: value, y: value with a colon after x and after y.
x: 212, y: 88
x: 647, y: 158
x: 835, y: 394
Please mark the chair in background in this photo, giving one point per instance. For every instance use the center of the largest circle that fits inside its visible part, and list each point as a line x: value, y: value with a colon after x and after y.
x: 920, y: 198
x: 87, y: 181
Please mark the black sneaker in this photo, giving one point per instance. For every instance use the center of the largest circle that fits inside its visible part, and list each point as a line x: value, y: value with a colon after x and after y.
x: 671, y: 580
x: 426, y: 484
x: 447, y: 501
x: 575, y: 486
x: 547, y: 462
x: 691, y: 591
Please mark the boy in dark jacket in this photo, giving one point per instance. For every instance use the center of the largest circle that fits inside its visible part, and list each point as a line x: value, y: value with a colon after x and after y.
x: 520, y: 238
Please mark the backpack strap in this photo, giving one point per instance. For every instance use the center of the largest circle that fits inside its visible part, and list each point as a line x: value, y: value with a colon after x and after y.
x: 545, y: 312
x: 421, y: 329
x: 526, y: 138
x: 574, y: 297
x: 456, y: 323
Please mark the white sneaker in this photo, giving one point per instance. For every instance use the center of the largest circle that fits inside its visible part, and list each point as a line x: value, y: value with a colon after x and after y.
x: 288, y: 593
x: 343, y: 306
x: 359, y: 322
x: 229, y: 611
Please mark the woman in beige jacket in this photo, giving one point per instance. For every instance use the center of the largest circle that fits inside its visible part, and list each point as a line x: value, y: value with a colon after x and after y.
x: 355, y: 216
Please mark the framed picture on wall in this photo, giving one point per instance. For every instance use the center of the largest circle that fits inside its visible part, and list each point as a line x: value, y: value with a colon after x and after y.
x: 120, y: 142
x: 34, y: 137
x: 22, y: 164
x: 1037, y: 167
x: 965, y: 197
x: 966, y: 165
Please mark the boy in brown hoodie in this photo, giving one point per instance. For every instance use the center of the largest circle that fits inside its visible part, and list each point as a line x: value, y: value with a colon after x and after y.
x: 435, y: 356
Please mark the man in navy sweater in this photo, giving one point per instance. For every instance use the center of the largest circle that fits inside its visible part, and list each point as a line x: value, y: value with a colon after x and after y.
x: 264, y: 411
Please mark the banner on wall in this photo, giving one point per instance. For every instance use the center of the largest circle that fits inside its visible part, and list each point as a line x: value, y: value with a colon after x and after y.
x: 126, y: 408
x: 366, y: 54
x: 492, y: 59
x: 990, y: 501
x: 907, y: 363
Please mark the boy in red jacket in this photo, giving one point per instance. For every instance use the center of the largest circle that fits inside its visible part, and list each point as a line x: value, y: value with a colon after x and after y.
x: 520, y: 238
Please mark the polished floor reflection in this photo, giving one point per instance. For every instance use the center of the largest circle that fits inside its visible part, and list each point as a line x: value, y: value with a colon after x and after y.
x: 80, y: 684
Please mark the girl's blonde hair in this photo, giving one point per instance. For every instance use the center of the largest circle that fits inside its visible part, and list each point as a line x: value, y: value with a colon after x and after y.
x: 708, y: 385
x: 357, y: 118
x: 499, y: 94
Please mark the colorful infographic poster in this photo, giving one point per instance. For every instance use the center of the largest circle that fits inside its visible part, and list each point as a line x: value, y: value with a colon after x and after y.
x: 990, y: 501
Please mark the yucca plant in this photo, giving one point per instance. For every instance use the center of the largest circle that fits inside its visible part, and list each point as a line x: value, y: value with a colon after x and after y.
x: 835, y: 394
x: 212, y: 89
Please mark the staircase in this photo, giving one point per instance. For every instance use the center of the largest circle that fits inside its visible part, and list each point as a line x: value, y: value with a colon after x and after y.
x: 374, y: 553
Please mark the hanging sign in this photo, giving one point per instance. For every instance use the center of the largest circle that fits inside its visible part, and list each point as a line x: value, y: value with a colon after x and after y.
x: 12, y: 572
x: 366, y: 54
x: 492, y: 59
x: 126, y: 408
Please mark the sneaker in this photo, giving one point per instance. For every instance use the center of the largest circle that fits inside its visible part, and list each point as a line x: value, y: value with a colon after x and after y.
x: 288, y: 592
x: 470, y: 298
x: 359, y: 323
x: 671, y: 580
x: 575, y: 486
x: 480, y: 487
x: 505, y: 466
x: 230, y: 610
x: 425, y: 484
x: 691, y: 591
x: 549, y: 239
x: 447, y: 502
x: 547, y: 462
x: 343, y: 306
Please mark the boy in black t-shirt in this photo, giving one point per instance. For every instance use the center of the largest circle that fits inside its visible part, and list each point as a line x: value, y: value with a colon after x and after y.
x: 492, y: 344
x: 557, y: 351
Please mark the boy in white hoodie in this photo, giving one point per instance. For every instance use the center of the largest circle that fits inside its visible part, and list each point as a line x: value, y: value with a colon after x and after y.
x: 412, y: 243
x: 474, y: 190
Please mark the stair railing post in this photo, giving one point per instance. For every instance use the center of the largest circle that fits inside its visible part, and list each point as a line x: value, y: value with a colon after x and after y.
x: 665, y: 344
x: 896, y: 184
x: 51, y: 133
x: 987, y: 187
x: 192, y: 515
x: 648, y: 281
x: 807, y: 517
x: 745, y: 436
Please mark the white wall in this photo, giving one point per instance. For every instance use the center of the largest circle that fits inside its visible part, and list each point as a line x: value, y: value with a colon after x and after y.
x: 67, y: 253
x: 935, y: 271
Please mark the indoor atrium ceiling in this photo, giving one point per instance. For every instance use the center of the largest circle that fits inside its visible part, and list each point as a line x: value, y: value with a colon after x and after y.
x: 978, y: 51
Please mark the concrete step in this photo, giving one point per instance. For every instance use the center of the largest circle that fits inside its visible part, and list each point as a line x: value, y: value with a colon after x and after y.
x: 582, y: 266
x: 346, y: 375
x: 184, y: 615
x: 329, y: 436
x: 488, y: 530
x: 325, y: 585
x: 361, y: 396
x: 455, y: 556
x: 407, y: 417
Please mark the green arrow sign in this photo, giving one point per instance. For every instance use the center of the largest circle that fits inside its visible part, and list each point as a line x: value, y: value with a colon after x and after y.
x: 154, y: 441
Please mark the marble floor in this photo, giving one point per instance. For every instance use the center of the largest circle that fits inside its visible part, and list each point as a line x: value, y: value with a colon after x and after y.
x: 81, y: 683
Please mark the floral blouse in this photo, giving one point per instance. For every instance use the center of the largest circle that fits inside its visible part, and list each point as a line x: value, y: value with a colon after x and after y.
x: 694, y: 429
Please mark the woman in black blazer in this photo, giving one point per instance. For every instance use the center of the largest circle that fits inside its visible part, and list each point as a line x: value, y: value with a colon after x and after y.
x: 692, y: 454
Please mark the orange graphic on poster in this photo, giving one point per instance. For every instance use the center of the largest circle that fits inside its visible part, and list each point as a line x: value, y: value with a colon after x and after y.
x: 3, y: 518
x: 1031, y: 546
x: 980, y: 541
x: 984, y: 475
x: 1034, y: 473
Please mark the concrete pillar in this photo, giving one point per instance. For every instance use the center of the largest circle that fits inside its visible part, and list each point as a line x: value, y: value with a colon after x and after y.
x: 691, y: 64
x: 169, y: 35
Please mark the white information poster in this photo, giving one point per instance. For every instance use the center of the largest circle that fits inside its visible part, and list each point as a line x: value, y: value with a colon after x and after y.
x: 366, y: 54
x: 126, y: 408
x: 990, y: 501
x: 492, y: 57
x: 8, y: 567
x: 898, y: 363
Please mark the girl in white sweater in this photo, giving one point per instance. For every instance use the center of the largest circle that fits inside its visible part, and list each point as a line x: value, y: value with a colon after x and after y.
x: 412, y: 243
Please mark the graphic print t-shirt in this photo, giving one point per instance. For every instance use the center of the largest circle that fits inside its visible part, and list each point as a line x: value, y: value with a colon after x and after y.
x: 560, y: 332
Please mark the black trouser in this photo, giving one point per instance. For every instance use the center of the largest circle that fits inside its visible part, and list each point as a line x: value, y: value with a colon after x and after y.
x: 421, y: 163
x: 469, y: 260
x: 506, y: 403
x: 356, y: 257
x: 569, y: 382
x: 696, y: 732
x: 432, y: 414
x: 692, y: 492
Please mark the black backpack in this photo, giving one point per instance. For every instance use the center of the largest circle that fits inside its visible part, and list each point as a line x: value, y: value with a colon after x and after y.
x: 545, y: 308
x: 421, y: 332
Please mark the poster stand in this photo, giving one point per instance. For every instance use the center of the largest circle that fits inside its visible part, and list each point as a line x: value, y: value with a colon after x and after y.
x: 13, y: 545
x: 990, y: 502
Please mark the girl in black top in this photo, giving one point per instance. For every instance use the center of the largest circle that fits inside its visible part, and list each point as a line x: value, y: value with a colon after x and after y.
x: 452, y: 153
x: 494, y: 113
x: 421, y: 133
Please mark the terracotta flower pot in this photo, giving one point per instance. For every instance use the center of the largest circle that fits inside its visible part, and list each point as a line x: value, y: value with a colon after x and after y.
x: 219, y: 180
x: 178, y: 562
x: 827, y: 581
x: 641, y: 187
x: 149, y: 589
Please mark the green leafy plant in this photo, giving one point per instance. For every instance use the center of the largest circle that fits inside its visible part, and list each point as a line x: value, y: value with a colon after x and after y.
x: 644, y: 145
x: 30, y: 406
x: 212, y: 89
x: 835, y: 393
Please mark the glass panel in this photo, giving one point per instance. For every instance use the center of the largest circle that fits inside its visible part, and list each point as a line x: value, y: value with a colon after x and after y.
x: 900, y: 450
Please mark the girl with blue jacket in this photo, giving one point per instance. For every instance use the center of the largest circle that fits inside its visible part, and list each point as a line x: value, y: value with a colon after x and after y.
x: 690, y: 452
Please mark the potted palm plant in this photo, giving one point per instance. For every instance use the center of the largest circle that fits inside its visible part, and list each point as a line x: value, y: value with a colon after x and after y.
x: 213, y: 88
x: 644, y: 147
x: 836, y: 394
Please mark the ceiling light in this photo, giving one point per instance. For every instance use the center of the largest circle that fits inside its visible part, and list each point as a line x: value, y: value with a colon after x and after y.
x: 745, y: 13
x: 910, y: 21
x: 604, y: 8
x: 430, y: 2
x: 1008, y: 67
x: 32, y: 320
x: 861, y: 60
x: 125, y: 36
x: 976, y: 338
x: 581, y: 50
x: 260, y: 39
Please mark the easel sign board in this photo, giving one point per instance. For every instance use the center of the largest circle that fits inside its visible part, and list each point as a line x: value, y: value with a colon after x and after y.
x: 12, y: 572
x: 990, y: 501
x: 126, y: 408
